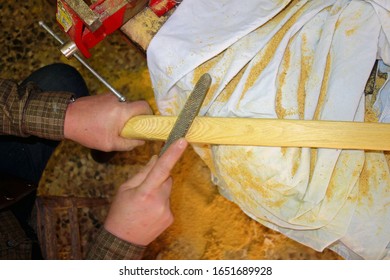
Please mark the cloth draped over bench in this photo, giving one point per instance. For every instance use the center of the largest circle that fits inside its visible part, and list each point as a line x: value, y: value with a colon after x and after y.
x: 284, y: 59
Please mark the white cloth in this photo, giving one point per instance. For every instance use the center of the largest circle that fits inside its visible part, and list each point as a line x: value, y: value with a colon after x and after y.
x: 293, y: 60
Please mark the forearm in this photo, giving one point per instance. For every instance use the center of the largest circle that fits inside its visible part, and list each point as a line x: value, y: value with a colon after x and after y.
x: 26, y: 111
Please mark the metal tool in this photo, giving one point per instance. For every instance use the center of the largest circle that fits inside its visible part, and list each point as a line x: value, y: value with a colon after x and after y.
x: 87, y: 24
x: 161, y: 7
x: 86, y: 65
x: 189, y: 112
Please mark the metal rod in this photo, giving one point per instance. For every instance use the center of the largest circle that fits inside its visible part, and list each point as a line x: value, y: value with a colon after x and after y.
x: 86, y: 65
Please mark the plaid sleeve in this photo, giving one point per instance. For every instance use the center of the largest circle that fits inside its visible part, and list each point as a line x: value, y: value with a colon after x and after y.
x: 26, y: 111
x: 109, y: 247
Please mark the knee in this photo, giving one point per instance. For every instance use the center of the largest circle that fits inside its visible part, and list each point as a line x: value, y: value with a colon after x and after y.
x: 60, y: 77
x: 61, y: 70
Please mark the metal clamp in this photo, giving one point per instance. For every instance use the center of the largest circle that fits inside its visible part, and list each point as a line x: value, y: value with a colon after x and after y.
x: 69, y: 50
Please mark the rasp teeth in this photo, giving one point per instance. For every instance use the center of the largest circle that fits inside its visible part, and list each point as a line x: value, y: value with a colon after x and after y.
x: 189, y: 112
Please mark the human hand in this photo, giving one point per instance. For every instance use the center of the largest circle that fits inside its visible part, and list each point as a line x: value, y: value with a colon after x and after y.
x: 141, y: 210
x: 97, y: 121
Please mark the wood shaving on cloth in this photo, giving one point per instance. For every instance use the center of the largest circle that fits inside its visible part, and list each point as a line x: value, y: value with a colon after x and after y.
x: 289, y: 60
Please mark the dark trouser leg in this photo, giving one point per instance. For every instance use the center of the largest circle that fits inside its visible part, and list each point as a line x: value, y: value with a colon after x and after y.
x: 26, y: 158
x: 59, y: 77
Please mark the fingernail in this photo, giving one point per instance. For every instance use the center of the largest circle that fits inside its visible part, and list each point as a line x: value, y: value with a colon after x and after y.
x: 182, y: 143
